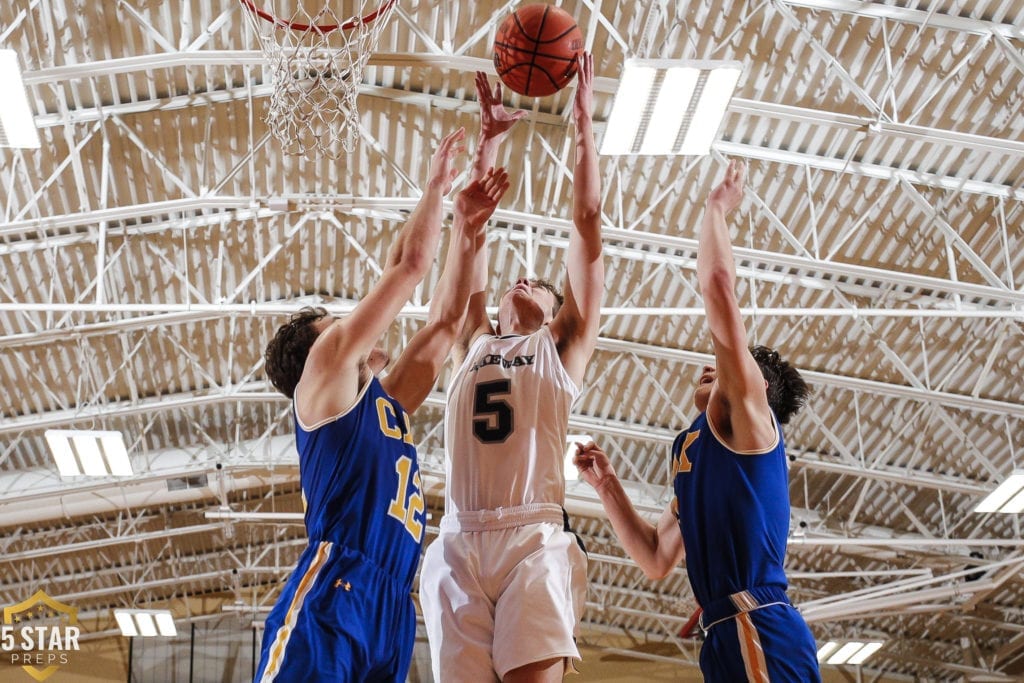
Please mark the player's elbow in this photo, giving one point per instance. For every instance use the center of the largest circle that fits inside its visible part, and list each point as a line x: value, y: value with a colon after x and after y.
x: 417, y: 262
x: 655, y: 569
x: 412, y: 258
x: 717, y: 282
x: 447, y: 328
x: 587, y: 218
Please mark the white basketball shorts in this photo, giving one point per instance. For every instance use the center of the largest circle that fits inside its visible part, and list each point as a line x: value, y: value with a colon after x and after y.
x: 500, y: 590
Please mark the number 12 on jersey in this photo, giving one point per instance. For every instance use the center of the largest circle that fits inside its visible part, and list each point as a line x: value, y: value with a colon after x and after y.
x: 406, y: 505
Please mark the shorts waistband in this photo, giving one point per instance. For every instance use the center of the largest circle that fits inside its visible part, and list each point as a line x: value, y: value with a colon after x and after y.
x: 339, y: 552
x: 503, y: 518
x: 722, y: 609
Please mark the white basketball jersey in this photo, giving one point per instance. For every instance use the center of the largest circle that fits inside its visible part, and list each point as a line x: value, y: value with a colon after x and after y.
x: 506, y: 423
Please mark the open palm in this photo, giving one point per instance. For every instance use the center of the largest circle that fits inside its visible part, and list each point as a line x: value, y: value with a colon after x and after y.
x: 495, y: 120
x: 476, y: 203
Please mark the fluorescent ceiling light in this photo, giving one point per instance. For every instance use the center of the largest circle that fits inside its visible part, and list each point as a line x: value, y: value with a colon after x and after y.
x: 852, y: 652
x: 669, y: 106
x: 571, y: 473
x: 92, y: 453
x: 844, y: 653
x: 825, y: 650
x: 1008, y: 496
x: 17, y: 127
x: 126, y: 623
x: 145, y: 622
x: 865, y: 652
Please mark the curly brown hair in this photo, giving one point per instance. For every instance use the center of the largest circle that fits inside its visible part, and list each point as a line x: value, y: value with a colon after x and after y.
x: 286, y: 353
x: 787, y: 390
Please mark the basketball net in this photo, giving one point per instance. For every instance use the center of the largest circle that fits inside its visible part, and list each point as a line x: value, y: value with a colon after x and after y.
x: 316, y: 59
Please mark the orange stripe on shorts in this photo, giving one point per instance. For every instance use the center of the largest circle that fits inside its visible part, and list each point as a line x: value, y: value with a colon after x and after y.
x: 750, y: 649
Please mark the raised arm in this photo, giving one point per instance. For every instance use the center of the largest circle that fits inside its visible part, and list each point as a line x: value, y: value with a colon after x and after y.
x: 330, y: 381
x: 739, y: 406
x: 495, y: 124
x: 576, y: 325
x: 416, y: 370
x: 657, y: 550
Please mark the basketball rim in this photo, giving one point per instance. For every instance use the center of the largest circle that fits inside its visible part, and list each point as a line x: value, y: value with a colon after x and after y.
x: 325, y: 28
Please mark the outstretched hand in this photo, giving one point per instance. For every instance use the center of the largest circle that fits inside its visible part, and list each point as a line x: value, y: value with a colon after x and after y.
x: 442, y: 172
x: 729, y: 193
x: 478, y: 200
x: 495, y: 120
x: 593, y: 464
x: 583, y: 104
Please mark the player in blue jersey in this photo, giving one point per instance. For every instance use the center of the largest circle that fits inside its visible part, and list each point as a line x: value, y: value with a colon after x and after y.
x: 731, y: 506
x: 346, y: 613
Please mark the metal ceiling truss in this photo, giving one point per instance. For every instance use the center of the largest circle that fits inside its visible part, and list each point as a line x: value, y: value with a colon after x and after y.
x: 926, y: 573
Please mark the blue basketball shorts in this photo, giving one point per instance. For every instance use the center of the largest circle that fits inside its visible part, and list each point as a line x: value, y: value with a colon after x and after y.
x: 338, y: 619
x: 769, y: 644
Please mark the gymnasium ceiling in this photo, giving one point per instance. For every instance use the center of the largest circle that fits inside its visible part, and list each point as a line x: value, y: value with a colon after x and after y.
x: 145, y: 260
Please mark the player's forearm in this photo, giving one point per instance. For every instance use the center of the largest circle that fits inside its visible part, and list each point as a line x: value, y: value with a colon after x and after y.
x: 638, y: 537
x: 476, y: 309
x: 585, y: 265
x: 716, y: 277
x: 416, y: 245
x: 448, y: 305
x: 586, y: 185
x: 714, y: 248
x: 486, y: 155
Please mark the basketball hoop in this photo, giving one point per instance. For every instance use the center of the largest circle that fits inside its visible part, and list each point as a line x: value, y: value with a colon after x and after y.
x: 316, y: 59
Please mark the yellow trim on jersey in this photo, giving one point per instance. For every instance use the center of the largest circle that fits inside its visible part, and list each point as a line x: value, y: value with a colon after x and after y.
x: 333, y: 418
x: 284, y: 632
x: 756, y: 451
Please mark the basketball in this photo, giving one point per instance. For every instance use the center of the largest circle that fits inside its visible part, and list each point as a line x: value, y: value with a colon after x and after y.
x: 535, y: 50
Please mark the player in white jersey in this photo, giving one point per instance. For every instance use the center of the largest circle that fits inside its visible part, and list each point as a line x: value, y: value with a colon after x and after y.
x: 503, y: 586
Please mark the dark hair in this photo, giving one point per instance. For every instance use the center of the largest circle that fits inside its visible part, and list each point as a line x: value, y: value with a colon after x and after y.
x: 287, y: 351
x: 559, y: 299
x: 787, y: 390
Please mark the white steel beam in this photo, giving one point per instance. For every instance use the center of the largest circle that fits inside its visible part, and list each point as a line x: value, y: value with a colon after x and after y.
x: 940, y: 20
x: 349, y: 204
x: 607, y: 85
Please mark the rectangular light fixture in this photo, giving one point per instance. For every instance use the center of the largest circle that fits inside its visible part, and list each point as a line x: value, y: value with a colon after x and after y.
x: 848, y: 652
x: 17, y: 126
x: 92, y: 453
x: 668, y: 106
x: 1008, y: 496
x: 571, y: 473
x: 145, y: 622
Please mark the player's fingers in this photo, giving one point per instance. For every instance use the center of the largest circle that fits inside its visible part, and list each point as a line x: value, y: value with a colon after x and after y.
x: 451, y: 138
x: 501, y: 189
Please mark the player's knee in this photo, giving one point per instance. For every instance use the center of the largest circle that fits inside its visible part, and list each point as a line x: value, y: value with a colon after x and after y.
x: 544, y: 671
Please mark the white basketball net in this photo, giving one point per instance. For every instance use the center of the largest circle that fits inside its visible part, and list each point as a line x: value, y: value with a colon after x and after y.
x: 316, y: 59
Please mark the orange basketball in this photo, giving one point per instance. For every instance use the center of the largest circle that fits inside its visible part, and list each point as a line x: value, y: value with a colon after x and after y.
x: 535, y: 49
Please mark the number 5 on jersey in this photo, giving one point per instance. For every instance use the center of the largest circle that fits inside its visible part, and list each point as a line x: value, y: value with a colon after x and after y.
x: 493, y: 418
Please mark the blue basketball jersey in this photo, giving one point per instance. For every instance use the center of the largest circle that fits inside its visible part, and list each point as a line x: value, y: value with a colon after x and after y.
x: 361, y: 482
x: 346, y: 614
x: 733, y: 513
x: 734, y: 517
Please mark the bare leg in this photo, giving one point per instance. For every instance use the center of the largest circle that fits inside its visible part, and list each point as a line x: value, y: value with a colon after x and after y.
x: 546, y: 671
